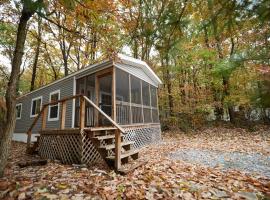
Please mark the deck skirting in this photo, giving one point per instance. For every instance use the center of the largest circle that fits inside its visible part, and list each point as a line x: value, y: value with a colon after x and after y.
x: 76, y: 147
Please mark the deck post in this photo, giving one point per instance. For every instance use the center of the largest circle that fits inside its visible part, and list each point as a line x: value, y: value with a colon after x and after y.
x: 114, y: 94
x: 44, y: 117
x: 29, y: 134
x: 63, y: 115
x: 117, y: 149
x: 82, y: 112
x: 96, y: 115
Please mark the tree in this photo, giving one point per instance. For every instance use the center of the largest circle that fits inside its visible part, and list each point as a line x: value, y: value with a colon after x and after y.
x: 29, y: 8
x: 35, y: 64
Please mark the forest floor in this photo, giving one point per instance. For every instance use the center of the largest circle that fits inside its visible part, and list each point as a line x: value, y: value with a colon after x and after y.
x: 180, y: 167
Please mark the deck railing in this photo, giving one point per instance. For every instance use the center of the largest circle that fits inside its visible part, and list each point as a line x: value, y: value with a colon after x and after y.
x: 43, y: 114
x: 83, y: 109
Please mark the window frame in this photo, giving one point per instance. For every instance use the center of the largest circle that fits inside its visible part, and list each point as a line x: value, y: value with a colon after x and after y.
x: 50, y: 106
x: 19, y: 104
x: 31, y: 110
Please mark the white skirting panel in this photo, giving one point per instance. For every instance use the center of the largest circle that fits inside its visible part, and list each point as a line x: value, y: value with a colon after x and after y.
x: 22, y: 137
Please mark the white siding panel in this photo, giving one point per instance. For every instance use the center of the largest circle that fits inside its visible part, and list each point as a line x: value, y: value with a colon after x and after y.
x: 136, y: 71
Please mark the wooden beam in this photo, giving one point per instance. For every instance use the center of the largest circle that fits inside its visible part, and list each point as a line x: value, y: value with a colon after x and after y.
x: 117, y: 161
x: 142, y: 113
x: 63, y: 115
x: 150, y: 95
x: 130, y: 108
x: 82, y: 113
x: 96, y: 121
x: 114, y: 94
x: 44, y: 118
x: 104, y: 72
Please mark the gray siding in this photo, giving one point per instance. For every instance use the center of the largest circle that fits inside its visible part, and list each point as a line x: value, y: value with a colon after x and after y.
x: 66, y: 89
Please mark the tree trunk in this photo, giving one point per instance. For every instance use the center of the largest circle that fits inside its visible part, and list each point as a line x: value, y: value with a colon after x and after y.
x: 8, y: 126
x: 169, y: 87
x: 65, y: 65
x: 32, y: 87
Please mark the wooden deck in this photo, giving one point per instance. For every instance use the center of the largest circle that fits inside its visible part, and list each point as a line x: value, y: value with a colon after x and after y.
x: 76, y: 144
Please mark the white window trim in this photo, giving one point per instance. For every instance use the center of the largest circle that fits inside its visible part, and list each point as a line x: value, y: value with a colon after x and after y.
x: 49, y: 113
x: 40, y: 97
x: 19, y: 104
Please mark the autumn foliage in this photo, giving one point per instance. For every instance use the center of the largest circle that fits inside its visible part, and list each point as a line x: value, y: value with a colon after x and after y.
x: 212, y: 56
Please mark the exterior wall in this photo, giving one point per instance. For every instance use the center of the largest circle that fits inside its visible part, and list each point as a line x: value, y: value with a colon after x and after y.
x: 66, y: 90
x: 66, y: 87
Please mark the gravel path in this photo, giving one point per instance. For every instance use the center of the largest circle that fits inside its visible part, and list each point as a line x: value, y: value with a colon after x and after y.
x: 252, y: 163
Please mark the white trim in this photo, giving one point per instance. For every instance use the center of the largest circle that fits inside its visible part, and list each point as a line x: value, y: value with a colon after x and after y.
x: 118, y: 66
x: 69, y: 76
x: 36, y: 98
x: 94, y: 71
x: 73, y: 103
x: 125, y: 59
x: 19, y: 104
x: 58, y: 105
x: 142, y: 64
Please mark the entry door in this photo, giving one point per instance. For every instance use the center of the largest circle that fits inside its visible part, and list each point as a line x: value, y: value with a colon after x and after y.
x: 104, y: 96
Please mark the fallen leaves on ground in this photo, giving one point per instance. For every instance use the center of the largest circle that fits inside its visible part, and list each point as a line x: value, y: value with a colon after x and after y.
x: 159, y: 178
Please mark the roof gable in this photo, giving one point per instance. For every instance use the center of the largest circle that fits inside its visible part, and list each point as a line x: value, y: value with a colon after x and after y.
x: 141, y: 64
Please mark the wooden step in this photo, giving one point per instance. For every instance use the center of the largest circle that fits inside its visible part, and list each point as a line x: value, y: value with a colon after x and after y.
x: 105, y: 137
x: 112, y: 146
x: 133, y: 153
x: 105, y: 128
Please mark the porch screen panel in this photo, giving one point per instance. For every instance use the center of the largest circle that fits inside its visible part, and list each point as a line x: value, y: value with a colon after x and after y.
x: 90, y: 93
x: 136, y: 100
x: 146, y: 102
x: 146, y: 93
x: 85, y: 86
x: 122, y: 97
x: 80, y: 89
x: 153, y: 91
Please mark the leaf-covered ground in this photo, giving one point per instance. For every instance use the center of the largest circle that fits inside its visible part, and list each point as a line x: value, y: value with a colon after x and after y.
x: 160, y: 178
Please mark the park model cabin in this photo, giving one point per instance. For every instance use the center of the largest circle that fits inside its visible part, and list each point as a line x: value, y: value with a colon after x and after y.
x: 119, y: 93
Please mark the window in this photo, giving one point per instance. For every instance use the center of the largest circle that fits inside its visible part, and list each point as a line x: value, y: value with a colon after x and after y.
x: 36, y: 106
x: 18, y: 111
x: 54, y: 108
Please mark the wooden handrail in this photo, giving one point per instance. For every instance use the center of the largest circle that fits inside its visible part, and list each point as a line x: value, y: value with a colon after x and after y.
x: 104, y: 114
x: 117, y: 161
x: 44, y: 107
x: 29, y: 131
x: 64, y: 99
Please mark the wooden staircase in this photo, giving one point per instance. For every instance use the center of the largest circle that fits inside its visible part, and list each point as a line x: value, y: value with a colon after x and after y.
x: 104, y: 140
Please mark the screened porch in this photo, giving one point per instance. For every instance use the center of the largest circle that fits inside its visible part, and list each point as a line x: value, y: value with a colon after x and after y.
x: 127, y: 99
